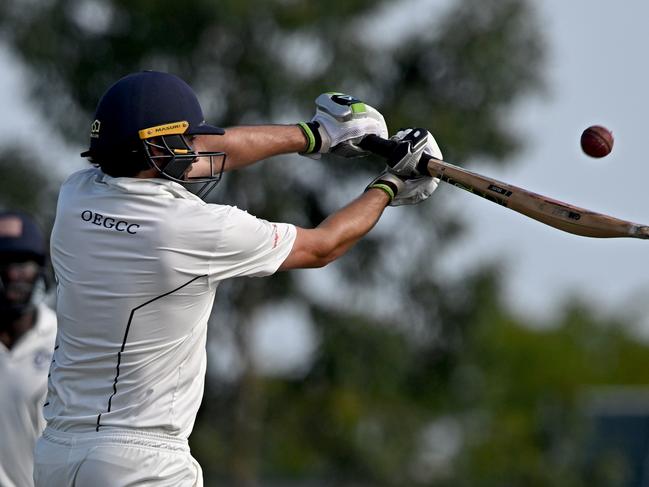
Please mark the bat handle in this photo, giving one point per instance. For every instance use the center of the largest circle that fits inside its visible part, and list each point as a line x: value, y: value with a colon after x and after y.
x: 378, y: 145
x: 391, y: 150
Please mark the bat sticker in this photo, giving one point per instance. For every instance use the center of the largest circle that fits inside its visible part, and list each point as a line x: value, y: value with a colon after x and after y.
x: 499, y: 190
x: 473, y: 190
x: 566, y: 213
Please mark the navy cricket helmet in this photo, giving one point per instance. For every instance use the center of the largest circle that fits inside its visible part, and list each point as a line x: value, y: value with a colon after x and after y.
x: 21, y: 238
x: 152, y: 114
x: 21, y: 243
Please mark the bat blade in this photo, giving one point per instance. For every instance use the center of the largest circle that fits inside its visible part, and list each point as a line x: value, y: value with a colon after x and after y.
x: 557, y: 214
x: 560, y: 215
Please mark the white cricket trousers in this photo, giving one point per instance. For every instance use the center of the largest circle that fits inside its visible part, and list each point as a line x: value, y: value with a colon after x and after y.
x: 114, y: 458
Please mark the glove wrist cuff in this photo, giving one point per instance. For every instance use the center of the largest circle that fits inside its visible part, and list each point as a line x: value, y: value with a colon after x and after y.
x: 388, y: 187
x: 313, y: 138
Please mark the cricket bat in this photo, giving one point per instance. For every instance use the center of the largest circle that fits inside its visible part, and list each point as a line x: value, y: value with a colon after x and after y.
x: 557, y: 214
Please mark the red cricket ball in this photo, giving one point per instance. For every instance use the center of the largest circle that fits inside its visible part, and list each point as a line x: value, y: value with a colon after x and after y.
x: 597, y: 141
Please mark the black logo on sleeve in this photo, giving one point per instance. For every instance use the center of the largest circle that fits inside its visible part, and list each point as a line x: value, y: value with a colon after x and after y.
x: 109, y: 222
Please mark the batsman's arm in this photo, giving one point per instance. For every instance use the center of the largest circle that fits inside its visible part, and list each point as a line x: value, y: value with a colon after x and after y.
x: 336, y: 126
x: 317, y: 247
x: 246, y: 145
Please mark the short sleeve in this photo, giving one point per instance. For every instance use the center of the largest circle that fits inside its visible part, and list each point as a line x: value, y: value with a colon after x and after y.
x: 250, y: 246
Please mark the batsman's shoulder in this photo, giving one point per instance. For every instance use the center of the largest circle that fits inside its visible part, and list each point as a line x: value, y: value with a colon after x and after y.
x: 82, y: 175
x: 197, y: 212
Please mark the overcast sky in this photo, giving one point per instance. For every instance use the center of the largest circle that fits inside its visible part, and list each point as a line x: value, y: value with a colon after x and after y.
x: 598, y: 74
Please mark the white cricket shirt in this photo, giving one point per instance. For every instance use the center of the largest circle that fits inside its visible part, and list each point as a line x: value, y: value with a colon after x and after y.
x: 23, y: 385
x: 137, y: 263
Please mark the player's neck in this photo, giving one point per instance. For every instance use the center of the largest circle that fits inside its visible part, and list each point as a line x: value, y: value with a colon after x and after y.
x: 12, y: 330
x: 148, y: 174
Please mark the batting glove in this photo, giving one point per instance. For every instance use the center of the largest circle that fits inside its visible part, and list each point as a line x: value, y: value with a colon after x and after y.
x: 402, y: 190
x: 402, y: 181
x: 339, y: 123
x: 413, y: 142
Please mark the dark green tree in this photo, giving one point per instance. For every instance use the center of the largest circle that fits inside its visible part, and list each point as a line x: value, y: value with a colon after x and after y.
x: 25, y: 184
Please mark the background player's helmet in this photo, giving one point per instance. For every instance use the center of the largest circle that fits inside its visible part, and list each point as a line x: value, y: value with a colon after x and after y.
x: 144, y: 120
x: 21, y: 243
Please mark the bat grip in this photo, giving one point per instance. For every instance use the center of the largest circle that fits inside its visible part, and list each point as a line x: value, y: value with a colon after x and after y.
x: 391, y: 150
x: 378, y: 145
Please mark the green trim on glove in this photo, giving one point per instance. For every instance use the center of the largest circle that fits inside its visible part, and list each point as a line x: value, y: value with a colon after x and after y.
x: 312, y: 138
x: 387, y: 189
x: 358, y: 108
x: 389, y: 183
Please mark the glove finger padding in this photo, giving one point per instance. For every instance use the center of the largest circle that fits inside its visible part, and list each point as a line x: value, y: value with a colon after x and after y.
x: 340, y: 122
x: 413, y: 142
x: 345, y: 137
x: 415, y: 191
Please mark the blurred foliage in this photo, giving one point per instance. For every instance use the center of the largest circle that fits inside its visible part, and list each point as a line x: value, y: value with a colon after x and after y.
x: 25, y: 185
x: 417, y: 380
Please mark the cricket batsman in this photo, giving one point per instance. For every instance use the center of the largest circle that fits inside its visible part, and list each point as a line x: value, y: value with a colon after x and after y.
x: 138, y: 259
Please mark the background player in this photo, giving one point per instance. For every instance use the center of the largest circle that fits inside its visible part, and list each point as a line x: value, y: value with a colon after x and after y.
x: 138, y: 259
x: 27, y: 333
